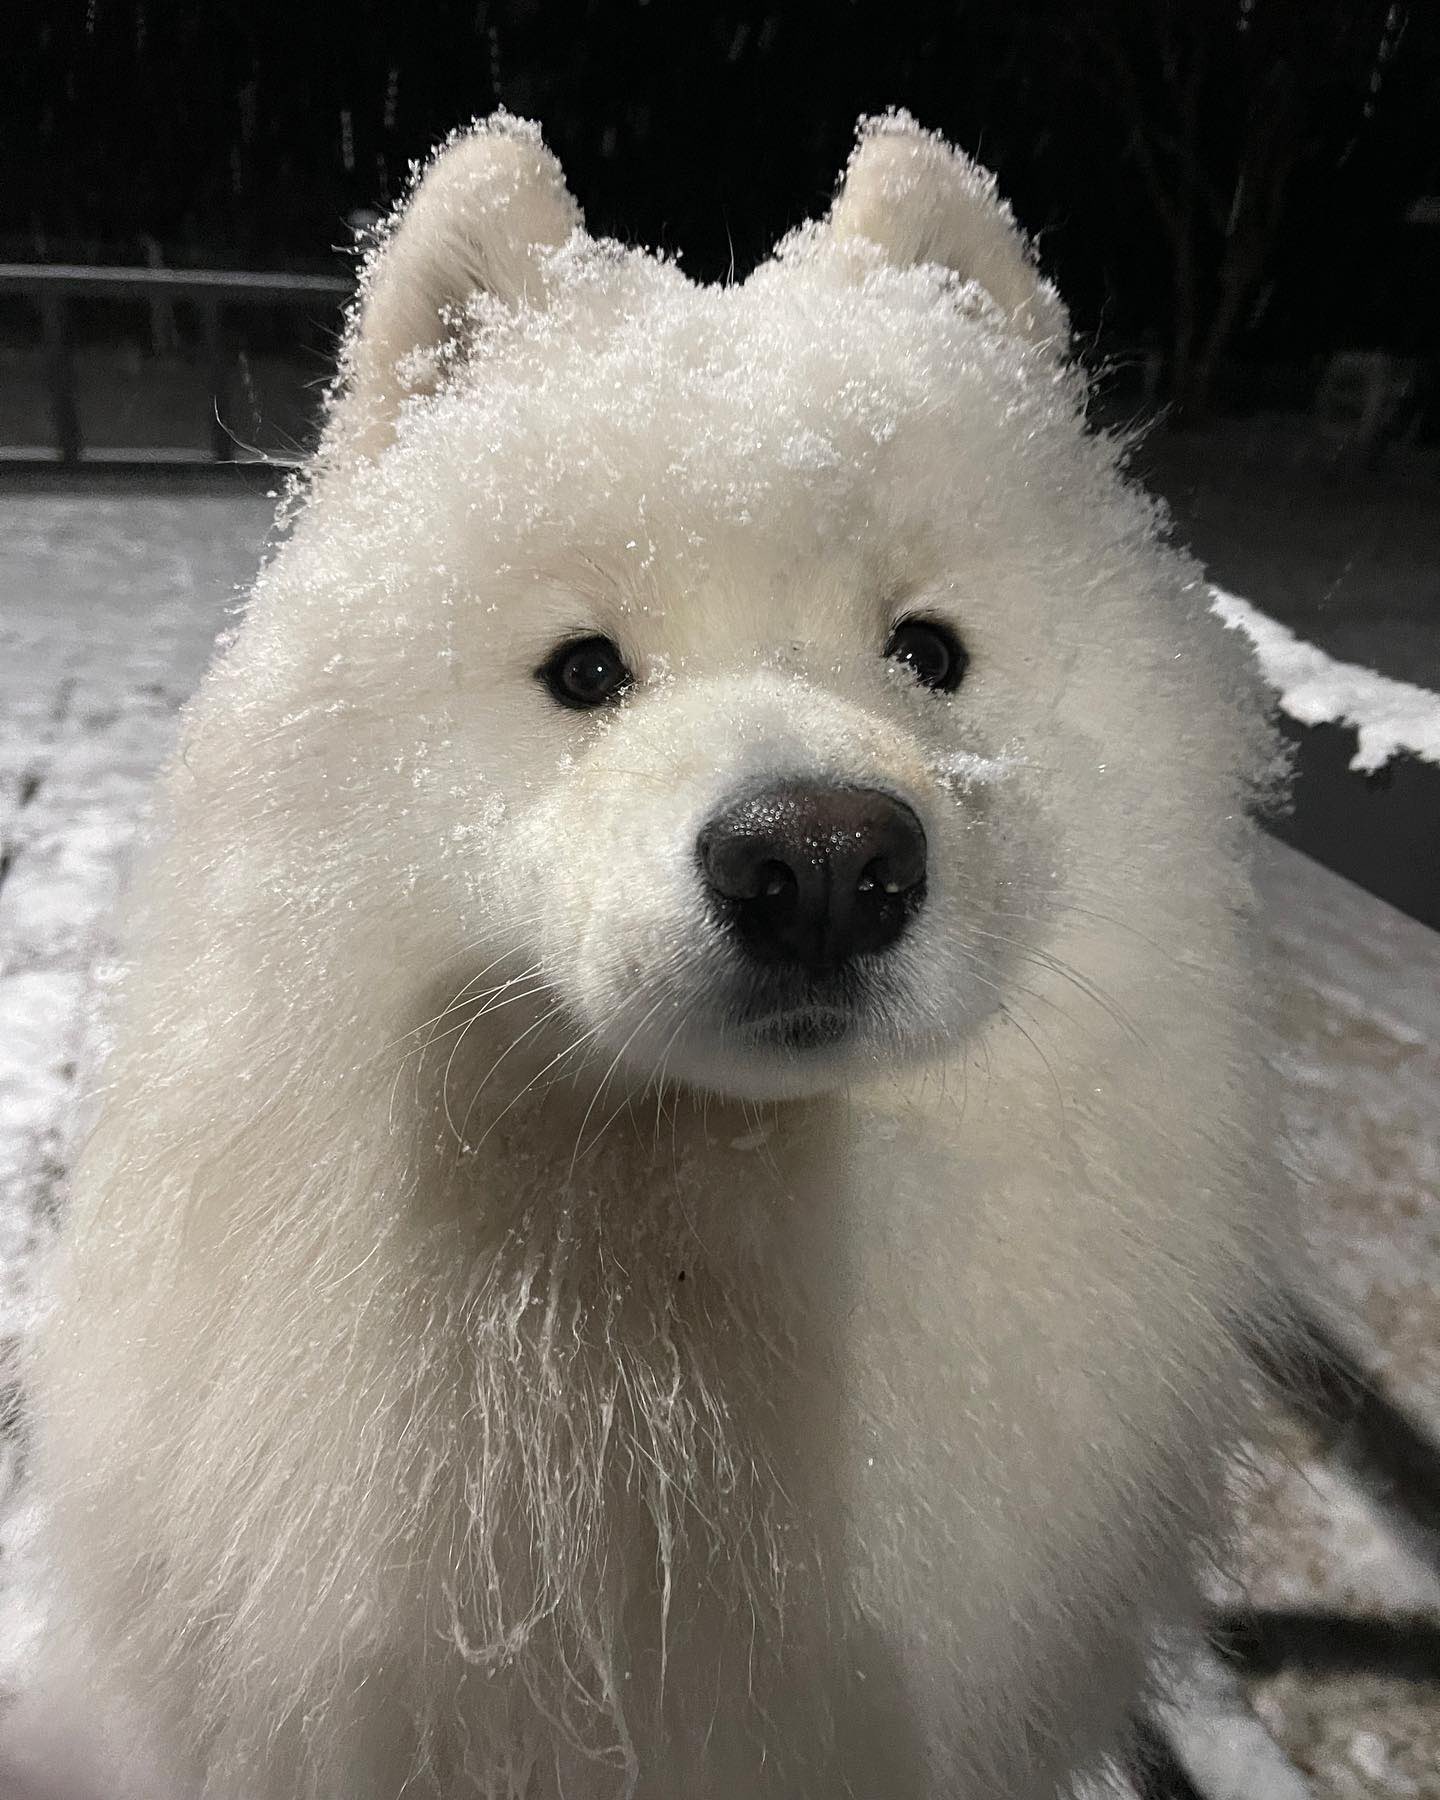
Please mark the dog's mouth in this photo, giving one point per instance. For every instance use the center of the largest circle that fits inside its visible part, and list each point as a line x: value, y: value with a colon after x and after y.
x: 762, y: 1034
x: 800, y: 1028
x: 806, y: 1011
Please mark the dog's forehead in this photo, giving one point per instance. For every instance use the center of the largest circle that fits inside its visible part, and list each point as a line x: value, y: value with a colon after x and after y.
x: 800, y: 377
x: 746, y: 443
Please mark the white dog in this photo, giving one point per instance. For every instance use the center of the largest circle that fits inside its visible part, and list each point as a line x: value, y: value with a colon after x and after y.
x: 686, y: 1154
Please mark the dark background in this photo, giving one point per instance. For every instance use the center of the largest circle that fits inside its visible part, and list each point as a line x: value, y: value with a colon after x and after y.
x: 1223, y: 183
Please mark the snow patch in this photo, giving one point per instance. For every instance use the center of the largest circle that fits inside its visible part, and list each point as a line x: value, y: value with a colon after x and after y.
x: 1390, y: 717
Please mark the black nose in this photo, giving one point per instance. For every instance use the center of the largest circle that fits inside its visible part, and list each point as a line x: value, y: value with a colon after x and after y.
x: 814, y: 875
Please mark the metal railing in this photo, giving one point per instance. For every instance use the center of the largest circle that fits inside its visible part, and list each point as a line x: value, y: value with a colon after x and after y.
x: 51, y: 287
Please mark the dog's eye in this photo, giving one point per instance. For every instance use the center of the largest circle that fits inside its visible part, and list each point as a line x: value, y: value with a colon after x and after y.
x: 933, y: 655
x: 586, y: 672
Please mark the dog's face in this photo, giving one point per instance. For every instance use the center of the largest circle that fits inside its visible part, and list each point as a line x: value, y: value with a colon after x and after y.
x: 770, y: 824
x: 766, y: 708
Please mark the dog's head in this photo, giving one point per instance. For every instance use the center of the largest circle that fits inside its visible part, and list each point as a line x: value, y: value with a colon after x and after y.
x: 763, y: 648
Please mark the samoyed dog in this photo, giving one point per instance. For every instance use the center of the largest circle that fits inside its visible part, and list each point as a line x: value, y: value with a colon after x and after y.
x: 685, y: 1161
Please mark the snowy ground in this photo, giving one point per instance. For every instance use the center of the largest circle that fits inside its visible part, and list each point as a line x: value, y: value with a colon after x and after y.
x: 110, y: 601
x: 111, y: 594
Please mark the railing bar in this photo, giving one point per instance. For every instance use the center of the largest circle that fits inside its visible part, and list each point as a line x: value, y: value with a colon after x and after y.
x: 60, y: 376
x: 1388, y: 1451
x: 1217, y: 1741
x: 143, y: 456
x: 51, y: 286
x: 1155, y: 1772
x: 219, y: 377
x: 137, y: 283
x: 1263, y: 1640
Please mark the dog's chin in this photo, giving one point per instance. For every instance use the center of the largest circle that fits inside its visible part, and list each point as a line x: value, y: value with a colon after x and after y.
x: 786, y: 1049
x: 789, y: 1056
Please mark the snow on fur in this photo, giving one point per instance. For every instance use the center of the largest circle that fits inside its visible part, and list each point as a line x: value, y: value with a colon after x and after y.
x: 519, y: 1380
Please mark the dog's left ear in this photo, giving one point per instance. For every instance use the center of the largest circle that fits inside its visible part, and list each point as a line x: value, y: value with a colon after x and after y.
x: 908, y: 192
x: 480, y: 219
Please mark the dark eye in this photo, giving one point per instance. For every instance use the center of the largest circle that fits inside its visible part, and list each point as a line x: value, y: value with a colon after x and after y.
x: 933, y: 654
x: 587, y: 672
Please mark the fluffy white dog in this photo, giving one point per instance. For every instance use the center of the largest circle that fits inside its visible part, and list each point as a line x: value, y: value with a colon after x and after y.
x: 685, y: 1160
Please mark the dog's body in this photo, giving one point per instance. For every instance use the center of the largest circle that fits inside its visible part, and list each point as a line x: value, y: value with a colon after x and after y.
x: 524, y: 1330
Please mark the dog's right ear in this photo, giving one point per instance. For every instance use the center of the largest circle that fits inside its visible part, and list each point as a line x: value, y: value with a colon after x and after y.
x: 479, y: 219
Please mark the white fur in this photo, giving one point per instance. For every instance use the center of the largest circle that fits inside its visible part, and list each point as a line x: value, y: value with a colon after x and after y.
x: 386, y: 1448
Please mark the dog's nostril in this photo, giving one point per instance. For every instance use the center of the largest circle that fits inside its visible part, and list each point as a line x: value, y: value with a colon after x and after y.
x: 898, y: 837
x: 775, y: 879
x: 815, y: 875
x: 737, y: 867
x: 877, y: 876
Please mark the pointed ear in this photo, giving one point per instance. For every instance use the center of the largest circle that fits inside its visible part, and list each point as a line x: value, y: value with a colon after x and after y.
x: 479, y: 219
x: 906, y: 191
